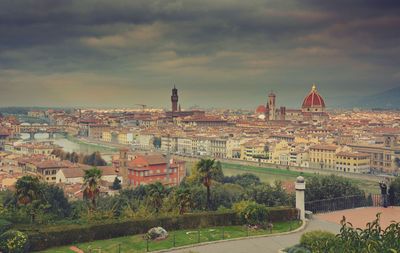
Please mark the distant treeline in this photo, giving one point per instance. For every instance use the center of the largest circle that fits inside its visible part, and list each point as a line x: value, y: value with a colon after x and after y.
x: 93, y: 159
x: 25, y: 110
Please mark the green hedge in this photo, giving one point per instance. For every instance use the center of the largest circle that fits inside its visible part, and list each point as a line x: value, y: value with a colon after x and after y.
x: 282, y: 214
x: 4, y: 225
x: 45, y: 237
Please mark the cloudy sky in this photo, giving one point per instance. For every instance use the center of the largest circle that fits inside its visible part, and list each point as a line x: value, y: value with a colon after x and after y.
x: 219, y: 53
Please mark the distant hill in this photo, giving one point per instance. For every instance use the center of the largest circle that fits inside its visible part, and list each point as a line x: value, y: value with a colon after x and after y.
x: 389, y: 99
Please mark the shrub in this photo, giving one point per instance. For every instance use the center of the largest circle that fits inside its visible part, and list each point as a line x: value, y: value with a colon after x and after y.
x: 4, y: 225
x: 13, y: 241
x: 298, y: 249
x: 316, y: 239
x: 254, y: 214
x: 239, y: 207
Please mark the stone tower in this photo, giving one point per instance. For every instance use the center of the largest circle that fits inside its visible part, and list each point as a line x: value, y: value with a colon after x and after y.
x: 272, y: 106
x: 174, y: 99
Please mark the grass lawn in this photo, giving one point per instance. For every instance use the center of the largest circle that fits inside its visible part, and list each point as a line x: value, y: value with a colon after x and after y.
x: 136, y: 243
x: 270, y: 175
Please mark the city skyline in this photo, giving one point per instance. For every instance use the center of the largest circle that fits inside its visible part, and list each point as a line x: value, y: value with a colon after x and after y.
x: 225, y: 54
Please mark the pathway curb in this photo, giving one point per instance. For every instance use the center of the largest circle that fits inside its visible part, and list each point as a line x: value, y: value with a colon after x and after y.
x: 301, y: 228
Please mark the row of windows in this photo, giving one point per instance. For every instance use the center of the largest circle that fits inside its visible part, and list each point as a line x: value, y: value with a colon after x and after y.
x: 52, y: 172
x: 133, y: 182
x: 344, y: 169
x: 150, y: 172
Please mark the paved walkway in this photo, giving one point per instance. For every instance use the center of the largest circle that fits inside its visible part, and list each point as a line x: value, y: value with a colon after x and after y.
x: 264, y: 244
x: 328, y: 222
x: 359, y: 217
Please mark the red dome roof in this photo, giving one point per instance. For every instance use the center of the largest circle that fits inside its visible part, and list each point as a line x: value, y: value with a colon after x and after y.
x: 261, y: 109
x: 313, y: 99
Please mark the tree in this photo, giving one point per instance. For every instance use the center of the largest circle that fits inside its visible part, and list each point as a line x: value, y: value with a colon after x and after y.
x: 245, y: 180
x: 28, y: 193
x: 157, y: 142
x: 27, y: 189
x: 94, y: 159
x: 328, y: 187
x: 156, y: 193
x: 207, y: 170
x: 269, y: 195
x: 74, y: 157
x: 183, y: 199
x: 55, y: 201
x: 91, y: 185
x: 116, y: 184
x: 225, y: 195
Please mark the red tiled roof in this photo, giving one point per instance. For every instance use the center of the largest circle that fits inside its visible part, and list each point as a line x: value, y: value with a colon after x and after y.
x: 313, y: 99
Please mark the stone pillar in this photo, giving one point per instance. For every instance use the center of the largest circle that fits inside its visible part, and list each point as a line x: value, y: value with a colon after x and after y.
x: 31, y: 135
x: 300, y: 188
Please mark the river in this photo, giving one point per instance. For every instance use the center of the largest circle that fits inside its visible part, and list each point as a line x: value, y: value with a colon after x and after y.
x: 74, y: 145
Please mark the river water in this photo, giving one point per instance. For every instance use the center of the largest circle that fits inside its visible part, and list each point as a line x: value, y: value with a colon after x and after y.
x: 69, y: 145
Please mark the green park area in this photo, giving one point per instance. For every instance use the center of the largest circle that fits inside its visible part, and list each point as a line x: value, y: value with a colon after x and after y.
x: 136, y: 243
x: 270, y: 175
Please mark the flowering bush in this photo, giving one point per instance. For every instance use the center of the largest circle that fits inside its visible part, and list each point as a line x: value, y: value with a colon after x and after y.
x: 13, y: 241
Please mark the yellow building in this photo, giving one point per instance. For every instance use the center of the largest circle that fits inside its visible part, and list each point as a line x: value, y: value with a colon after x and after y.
x: 122, y: 138
x: 323, y: 156
x: 125, y: 137
x: 353, y: 162
x: 106, y: 136
x: 253, y: 150
x: 384, y: 156
x: 279, y: 152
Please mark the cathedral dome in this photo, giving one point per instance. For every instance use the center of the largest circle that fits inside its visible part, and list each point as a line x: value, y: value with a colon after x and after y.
x: 313, y: 99
x: 261, y: 109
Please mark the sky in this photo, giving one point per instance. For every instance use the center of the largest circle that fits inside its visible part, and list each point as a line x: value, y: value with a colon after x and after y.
x: 218, y: 53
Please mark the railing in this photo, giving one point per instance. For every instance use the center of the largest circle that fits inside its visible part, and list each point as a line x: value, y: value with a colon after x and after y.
x: 335, y: 204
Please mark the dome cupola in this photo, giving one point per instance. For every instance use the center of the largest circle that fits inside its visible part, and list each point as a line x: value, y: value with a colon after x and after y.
x: 313, y: 102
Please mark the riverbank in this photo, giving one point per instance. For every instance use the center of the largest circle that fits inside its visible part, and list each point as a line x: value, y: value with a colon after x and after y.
x: 269, y: 174
x: 82, y: 141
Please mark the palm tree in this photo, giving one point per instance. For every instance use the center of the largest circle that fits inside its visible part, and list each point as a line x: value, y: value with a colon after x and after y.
x: 183, y: 199
x: 208, y: 170
x: 156, y: 193
x: 28, y: 191
x: 91, y: 185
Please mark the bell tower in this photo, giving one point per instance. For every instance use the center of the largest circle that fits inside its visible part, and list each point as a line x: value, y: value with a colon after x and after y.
x: 174, y: 99
x: 272, y: 106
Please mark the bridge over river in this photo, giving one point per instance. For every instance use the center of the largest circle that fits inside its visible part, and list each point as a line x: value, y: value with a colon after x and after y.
x: 34, y: 129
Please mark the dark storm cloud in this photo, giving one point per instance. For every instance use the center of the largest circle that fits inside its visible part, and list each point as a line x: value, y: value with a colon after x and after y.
x: 147, y: 43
